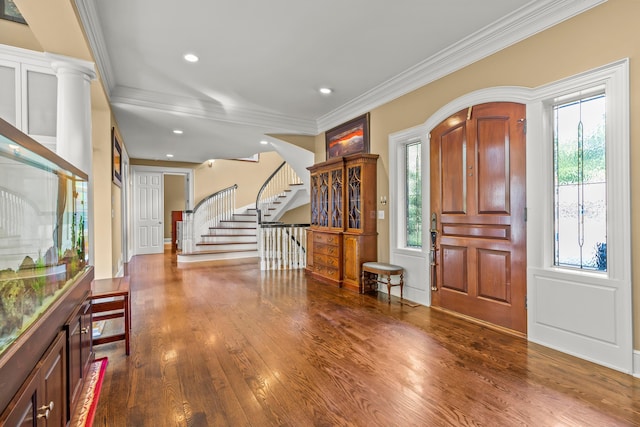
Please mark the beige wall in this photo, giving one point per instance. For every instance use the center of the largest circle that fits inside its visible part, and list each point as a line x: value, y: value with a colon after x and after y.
x: 302, y: 141
x: 600, y: 36
x: 18, y: 35
x: 299, y: 215
x: 224, y: 173
x: 174, y: 199
x: 102, y: 193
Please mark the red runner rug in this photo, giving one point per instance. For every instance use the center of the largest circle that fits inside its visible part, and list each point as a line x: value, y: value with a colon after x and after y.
x: 87, y: 408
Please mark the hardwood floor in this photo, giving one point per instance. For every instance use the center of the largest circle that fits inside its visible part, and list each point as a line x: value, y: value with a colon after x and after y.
x: 234, y: 346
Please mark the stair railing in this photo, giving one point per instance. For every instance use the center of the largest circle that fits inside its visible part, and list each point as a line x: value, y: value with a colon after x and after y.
x: 274, y: 188
x: 219, y: 206
x: 282, y: 246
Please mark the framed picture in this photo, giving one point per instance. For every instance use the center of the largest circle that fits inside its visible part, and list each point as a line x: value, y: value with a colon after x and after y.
x: 10, y: 12
x: 348, y: 138
x: 116, y: 159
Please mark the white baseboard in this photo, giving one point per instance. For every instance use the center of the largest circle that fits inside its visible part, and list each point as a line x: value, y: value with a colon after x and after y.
x: 636, y: 363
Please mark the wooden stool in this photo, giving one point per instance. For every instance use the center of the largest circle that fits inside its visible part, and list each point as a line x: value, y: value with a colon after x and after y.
x: 111, y: 296
x: 381, y: 270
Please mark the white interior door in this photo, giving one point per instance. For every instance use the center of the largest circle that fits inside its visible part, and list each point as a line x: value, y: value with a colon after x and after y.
x: 149, y: 231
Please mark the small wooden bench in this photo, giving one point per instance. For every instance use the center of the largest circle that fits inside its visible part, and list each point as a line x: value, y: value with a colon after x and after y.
x: 380, y: 272
x: 111, y: 296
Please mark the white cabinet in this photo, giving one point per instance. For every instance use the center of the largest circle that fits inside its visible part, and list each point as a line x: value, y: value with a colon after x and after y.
x: 29, y: 94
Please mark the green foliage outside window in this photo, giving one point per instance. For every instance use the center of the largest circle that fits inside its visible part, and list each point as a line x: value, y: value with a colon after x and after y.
x: 413, y: 192
x: 580, y: 193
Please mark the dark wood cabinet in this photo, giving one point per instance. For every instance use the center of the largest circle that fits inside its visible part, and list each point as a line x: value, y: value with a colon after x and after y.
x: 79, y: 352
x: 42, y: 399
x: 54, y: 385
x: 343, y: 232
x: 22, y: 410
x: 43, y: 372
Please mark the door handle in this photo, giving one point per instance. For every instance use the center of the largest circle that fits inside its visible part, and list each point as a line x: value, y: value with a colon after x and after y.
x: 434, y: 251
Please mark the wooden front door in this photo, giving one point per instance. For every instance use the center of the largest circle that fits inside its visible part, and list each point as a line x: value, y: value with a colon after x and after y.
x: 478, y: 197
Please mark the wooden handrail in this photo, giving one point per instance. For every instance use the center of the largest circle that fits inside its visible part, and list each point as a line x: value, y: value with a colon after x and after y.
x: 211, y: 196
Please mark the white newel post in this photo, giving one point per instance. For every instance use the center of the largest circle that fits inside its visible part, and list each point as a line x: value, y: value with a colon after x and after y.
x: 73, y: 138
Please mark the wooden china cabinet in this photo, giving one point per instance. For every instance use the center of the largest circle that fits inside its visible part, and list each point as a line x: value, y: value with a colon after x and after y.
x: 343, y: 231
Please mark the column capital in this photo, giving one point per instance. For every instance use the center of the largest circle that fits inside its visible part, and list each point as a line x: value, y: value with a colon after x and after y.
x: 65, y: 64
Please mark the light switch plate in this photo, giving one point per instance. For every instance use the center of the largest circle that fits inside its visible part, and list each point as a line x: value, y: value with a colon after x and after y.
x: 380, y: 214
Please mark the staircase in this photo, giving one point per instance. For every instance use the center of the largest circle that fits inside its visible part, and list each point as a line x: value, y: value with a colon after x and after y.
x: 215, y: 230
x: 230, y: 239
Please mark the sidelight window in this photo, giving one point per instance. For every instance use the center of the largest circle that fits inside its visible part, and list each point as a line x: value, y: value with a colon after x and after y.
x: 580, y: 182
x: 413, y: 193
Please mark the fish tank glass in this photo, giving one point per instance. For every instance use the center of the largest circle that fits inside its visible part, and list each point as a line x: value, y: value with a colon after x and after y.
x: 43, y: 230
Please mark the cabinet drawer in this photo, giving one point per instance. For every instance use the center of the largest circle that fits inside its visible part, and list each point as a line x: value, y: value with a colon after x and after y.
x: 324, y: 249
x: 330, y: 239
x: 330, y: 272
x: 326, y: 260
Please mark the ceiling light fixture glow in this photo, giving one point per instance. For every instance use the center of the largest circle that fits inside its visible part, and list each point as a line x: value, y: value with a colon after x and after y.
x: 178, y: 131
x: 325, y: 90
x: 263, y: 142
x: 169, y: 155
x: 190, y: 57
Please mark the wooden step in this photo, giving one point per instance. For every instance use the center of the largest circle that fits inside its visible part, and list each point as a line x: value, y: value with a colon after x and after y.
x: 229, y: 235
x: 232, y: 228
x: 215, y: 252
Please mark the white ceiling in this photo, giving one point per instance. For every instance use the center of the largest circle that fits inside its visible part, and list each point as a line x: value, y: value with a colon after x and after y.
x: 262, y: 62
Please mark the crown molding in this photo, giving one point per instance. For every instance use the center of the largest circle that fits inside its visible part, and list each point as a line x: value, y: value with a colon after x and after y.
x: 136, y: 98
x: 530, y: 19
x: 26, y: 56
x: 93, y: 31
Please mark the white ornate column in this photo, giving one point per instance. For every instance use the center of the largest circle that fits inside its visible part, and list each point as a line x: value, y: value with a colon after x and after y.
x: 73, y: 138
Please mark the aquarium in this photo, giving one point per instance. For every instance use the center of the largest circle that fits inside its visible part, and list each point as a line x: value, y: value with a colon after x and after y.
x: 43, y: 229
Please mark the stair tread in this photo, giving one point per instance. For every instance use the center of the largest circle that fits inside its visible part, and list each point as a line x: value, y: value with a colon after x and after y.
x: 230, y: 228
x: 211, y: 252
x: 228, y: 235
x: 225, y: 243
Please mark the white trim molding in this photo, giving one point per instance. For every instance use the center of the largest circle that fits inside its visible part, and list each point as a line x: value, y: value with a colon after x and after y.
x: 636, y: 363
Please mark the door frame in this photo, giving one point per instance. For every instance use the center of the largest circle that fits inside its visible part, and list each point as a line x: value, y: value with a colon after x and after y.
x: 189, y: 190
x: 539, y: 245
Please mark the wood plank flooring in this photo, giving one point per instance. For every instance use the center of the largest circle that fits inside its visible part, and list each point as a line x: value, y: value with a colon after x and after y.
x: 234, y: 346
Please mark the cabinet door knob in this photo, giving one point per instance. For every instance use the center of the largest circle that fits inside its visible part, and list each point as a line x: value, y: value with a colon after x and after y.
x: 45, y: 415
x: 84, y: 330
x: 45, y: 407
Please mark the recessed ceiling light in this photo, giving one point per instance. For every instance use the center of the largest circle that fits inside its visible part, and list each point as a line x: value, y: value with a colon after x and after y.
x: 190, y: 57
x: 169, y: 155
x: 178, y: 131
x: 325, y: 90
x: 263, y: 142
